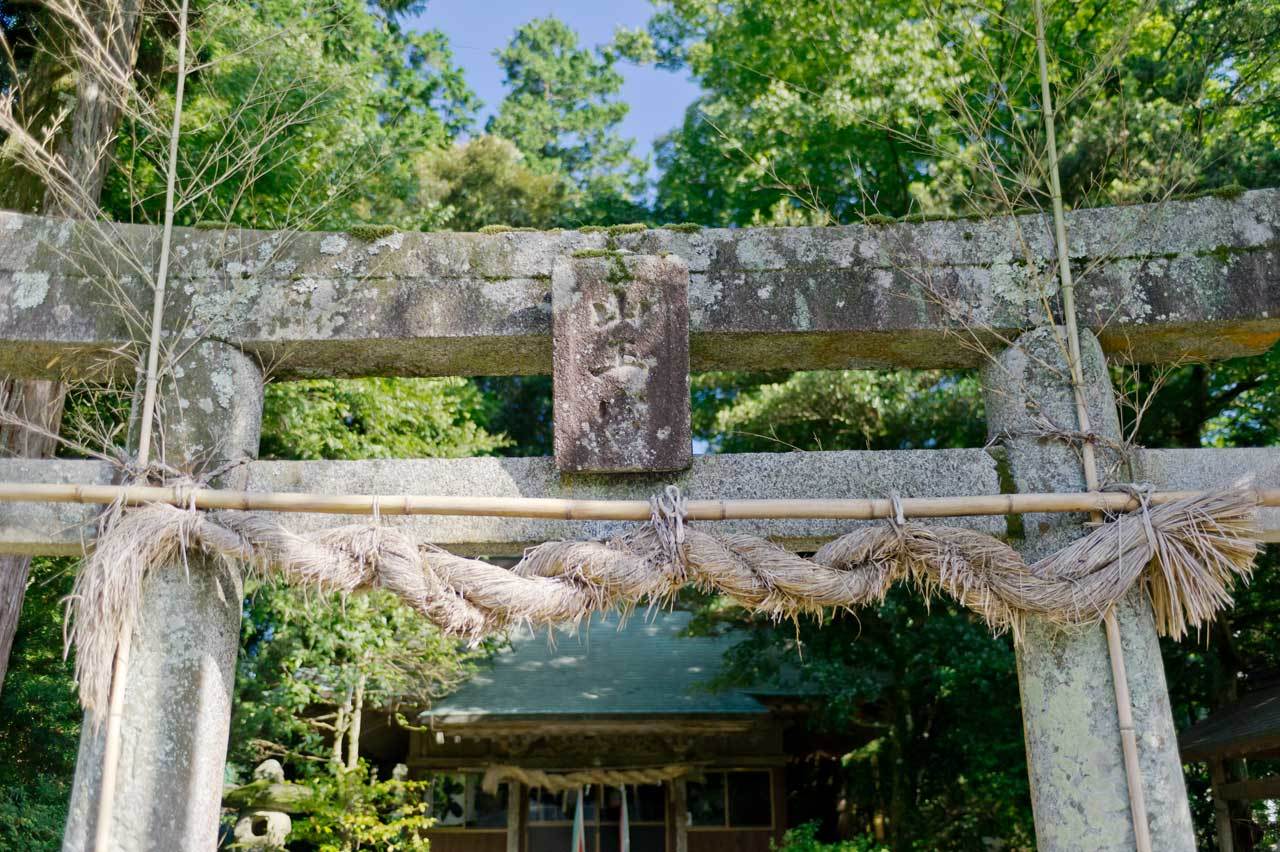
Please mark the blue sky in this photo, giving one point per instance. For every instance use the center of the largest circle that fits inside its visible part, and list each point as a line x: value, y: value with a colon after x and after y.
x: 476, y: 28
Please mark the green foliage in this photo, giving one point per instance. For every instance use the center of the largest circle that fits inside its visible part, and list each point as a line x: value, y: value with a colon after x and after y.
x: 303, y: 652
x: 375, y: 418
x: 486, y: 183
x: 836, y: 113
x: 1223, y: 404
x: 38, y: 739
x: 300, y: 113
x: 562, y: 112
x: 746, y: 412
x: 944, y: 767
x: 521, y: 411
x: 357, y: 811
x: 804, y: 838
x: 312, y: 668
x: 934, y: 693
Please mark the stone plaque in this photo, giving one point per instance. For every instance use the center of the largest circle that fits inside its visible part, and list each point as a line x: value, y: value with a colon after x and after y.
x: 621, y: 362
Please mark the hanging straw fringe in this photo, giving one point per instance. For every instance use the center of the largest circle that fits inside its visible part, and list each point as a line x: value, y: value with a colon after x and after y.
x: 559, y: 782
x: 1186, y: 554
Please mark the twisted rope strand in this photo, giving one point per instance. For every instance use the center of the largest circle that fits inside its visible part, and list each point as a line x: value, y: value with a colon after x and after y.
x: 1186, y: 554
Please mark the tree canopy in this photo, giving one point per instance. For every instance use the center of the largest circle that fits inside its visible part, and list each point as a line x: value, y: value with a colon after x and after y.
x: 562, y: 112
x: 892, y: 107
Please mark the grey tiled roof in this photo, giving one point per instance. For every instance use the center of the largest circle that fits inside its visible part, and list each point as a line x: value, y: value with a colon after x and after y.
x: 646, y: 667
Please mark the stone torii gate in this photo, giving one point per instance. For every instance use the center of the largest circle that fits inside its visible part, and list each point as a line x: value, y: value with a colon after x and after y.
x: 1197, y: 279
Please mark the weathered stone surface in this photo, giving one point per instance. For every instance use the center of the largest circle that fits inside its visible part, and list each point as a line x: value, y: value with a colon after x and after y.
x: 1181, y: 279
x: 62, y: 529
x: 736, y: 476
x: 177, y: 702
x: 621, y: 363
x: 50, y: 529
x: 1078, y: 789
x: 1194, y: 469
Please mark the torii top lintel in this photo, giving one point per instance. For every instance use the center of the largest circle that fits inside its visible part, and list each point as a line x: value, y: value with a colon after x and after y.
x: 1181, y: 279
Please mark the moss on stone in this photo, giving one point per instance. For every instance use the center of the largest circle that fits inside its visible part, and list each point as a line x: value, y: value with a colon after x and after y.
x: 629, y: 228
x: 591, y: 229
x: 1227, y: 193
x: 369, y: 233
x: 920, y: 218
x: 496, y: 229
x: 212, y: 225
x: 917, y: 218
x: 618, y: 272
x: 1230, y: 191
x: 1223, y: 254
x: 682, y: 227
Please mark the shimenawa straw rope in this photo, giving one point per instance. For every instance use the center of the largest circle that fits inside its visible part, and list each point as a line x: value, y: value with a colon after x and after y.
x: 1187, y: 553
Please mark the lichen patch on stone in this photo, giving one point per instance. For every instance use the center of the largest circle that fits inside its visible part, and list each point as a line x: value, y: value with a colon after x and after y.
x: 224, y: 387
x: 333, y: 244
x: 30, y: 288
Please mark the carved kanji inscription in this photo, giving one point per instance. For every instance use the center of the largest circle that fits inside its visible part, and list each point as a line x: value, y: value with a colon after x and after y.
x: 621, y: 363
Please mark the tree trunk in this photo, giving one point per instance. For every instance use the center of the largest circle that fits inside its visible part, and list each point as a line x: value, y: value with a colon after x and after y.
x: 353, y: 733
x: 82, y: 146
x: 1226, y: 690
x: 341, y: 725
x: 38, y: 403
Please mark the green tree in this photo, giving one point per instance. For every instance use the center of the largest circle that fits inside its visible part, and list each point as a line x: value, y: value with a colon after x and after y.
x: 889, y: 105
x: 940, y: 768
x: 561, y: 110
x: 375, y: 418
x: 314, y: 669
x: 301, y: 113
x: 923, y: 409
x: 41, y: 730
x: 1233, y: 403
x: 487, y: 181
x: 311, y: 673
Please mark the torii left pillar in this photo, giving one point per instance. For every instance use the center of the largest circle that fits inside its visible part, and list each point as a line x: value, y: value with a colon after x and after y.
x: 177, y: 705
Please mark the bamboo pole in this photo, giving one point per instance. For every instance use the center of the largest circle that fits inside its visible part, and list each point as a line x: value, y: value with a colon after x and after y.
x: 569, y: 509
x: 1115, y: 649
x: 120, y: 668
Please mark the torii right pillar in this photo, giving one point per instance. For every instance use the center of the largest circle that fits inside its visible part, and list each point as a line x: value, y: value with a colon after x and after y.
x: 1079, y: 793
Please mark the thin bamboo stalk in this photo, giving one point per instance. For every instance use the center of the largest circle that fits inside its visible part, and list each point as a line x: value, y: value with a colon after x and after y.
x: 1119, y: 674
x: 590, y: 510
x: 120, y: 668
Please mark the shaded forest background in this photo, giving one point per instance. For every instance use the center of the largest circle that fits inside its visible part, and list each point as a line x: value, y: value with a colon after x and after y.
x: 811, y: 112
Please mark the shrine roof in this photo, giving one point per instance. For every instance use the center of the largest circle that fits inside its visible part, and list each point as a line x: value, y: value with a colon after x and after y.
x: 647, y: 665
x: 1249, y: 726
